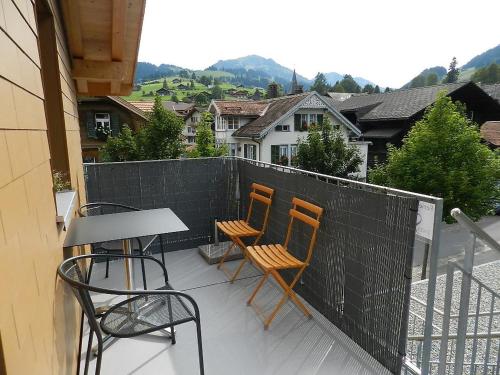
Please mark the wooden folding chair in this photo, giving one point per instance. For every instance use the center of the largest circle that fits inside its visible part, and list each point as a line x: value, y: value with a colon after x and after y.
x: 238, y: 229
x: 273, y: 258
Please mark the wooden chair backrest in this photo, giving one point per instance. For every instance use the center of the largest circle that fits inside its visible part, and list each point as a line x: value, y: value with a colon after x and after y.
x: 312, y: 218
x: 264, y: 195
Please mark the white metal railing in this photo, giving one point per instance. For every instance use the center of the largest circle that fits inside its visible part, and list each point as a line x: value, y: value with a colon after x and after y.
x: 467, y: 342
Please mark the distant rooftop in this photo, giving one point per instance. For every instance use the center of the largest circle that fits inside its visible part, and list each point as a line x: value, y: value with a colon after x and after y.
x: 398, y: 104
x: 490, y: 132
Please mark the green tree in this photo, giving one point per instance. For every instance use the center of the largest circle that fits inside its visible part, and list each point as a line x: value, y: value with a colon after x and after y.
x: 387, y: 89
x: 418, y: 81
x: 453, y: 72
x: 431, y: 79
x: 338, y: 87
x: 368, y: 89
x: 349, y: 84
x: 488, y: 74
x: 217, y: 92
x: 325, y: 150
x: 443, y: 156
x: 320, y: 84
x: 193, y: 76
x: 174, y: 98
x: 161, y: 138
x: 205, y: 140
x: 191, y: 85
x: 120, y: 148
x: 164, y: 85
x: 376, y: 90
x: 184, y: 73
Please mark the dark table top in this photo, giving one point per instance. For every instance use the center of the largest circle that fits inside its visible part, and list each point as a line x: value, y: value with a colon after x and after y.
x: 121, y: 226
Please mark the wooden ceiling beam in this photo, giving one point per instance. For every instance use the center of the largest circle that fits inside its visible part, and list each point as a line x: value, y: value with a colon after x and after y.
x: 119, y: 23
x: 82, y: 86
x: 116, y: 87
x: 98, y: 70
x: 71, y: 11
x: 104, y: 89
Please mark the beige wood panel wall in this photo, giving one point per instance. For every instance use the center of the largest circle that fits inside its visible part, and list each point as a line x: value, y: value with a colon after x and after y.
x: 38, y: 317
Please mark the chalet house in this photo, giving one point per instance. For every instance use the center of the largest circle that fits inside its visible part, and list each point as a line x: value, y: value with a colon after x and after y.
x: 493, y: 90
x: 242, y: 94
x: 108, y: 112
x: 268, y: 130
x: 176, y: 80
x: 163, y: 92
x: 183, y: 87
x: 387, y: 118
x: 52, y: 52
x: 188, y: 111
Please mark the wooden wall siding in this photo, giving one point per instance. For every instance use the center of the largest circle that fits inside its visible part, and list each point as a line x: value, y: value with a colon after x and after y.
x: 38, y: 317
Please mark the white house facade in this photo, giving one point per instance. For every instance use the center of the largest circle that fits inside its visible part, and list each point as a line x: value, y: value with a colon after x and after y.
x: 268, y: 130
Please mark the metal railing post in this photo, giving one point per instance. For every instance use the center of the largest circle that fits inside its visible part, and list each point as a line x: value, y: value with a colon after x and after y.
x: 431, y: 291
x: 464, y: 306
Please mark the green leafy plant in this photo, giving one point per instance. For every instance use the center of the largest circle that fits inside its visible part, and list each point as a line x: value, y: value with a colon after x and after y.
x: 443, y: 156
x: 205, y: 140
x: 60, y: 181
x: 325, y: 151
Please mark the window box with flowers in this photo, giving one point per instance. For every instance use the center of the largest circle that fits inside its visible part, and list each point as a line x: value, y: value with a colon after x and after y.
x: 102, y: 126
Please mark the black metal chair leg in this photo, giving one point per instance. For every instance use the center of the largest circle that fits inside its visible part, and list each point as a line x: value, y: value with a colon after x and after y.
x: 89, y: 349
x: 99, y: 356
x: 200, y: 348
x: 171, y: 317
x: 89, y: 273
x: 143, y: 267
x: 162, y: 250
x: 107, y: 267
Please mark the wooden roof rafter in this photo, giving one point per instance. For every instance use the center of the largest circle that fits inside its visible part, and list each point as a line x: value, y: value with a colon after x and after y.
x: 103, y: 38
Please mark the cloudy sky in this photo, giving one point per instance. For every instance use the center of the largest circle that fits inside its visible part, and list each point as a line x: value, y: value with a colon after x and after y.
x: 385, y: 41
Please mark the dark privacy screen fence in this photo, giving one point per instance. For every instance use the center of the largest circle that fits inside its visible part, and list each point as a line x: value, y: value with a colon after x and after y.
x: 197, y: 190
x: 359, y: 277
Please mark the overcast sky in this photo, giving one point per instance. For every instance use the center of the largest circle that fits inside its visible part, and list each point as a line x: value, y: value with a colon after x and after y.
x: 385, y: 41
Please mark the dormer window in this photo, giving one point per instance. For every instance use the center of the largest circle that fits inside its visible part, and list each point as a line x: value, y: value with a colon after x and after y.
x: 282, y: 128
x: 233, y: 123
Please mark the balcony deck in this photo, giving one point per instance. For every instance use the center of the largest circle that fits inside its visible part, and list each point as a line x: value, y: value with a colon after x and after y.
x: 233, y: 336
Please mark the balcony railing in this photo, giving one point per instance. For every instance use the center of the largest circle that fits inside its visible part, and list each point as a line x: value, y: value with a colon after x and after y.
x: 360, y: 275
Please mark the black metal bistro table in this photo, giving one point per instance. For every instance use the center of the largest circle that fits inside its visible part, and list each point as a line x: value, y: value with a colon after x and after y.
x: 123, y: 226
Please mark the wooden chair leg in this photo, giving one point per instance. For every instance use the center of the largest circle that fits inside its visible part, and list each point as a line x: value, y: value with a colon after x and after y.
x: 242, y: 246
x: 257, y: 288
x: 289, y: 290
x: 228, y: 251
x: 287, y: 293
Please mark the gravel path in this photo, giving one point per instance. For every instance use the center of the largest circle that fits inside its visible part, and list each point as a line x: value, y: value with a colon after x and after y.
x: 489, y: 274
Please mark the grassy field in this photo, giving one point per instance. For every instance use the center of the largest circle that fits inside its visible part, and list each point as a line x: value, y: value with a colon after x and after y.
x: 148, y: 89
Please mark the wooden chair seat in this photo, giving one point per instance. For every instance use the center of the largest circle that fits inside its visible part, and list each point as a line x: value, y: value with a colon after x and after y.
x: 237, y: 228
x: 273, y: 257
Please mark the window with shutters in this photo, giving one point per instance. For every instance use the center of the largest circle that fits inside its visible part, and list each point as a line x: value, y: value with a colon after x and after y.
x: 102, y: 125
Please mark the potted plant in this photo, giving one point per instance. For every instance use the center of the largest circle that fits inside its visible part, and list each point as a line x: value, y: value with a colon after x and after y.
x: 283, y: 160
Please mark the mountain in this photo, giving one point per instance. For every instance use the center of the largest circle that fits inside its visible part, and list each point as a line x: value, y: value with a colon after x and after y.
x: 251, y: 71
x: 267, y: 67
x: 145, y: 70
x: 484, y: 59
x: 440, y: 71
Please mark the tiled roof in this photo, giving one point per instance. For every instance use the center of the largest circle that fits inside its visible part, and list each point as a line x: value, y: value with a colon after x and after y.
x: 147, y: 106
x: 490, y: 132
x: 241, y: 107
x: 275, y: 109
x: 138, y: 111
x: 143, y: 105
x: 400, y: 104
x: 493, y: 90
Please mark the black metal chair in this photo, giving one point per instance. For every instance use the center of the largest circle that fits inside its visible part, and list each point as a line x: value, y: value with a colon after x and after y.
x: 115, y: 247
x: 145, y: 311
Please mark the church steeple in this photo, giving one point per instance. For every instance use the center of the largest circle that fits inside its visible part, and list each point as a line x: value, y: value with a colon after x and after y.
x: 295, y: 88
